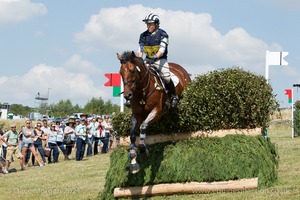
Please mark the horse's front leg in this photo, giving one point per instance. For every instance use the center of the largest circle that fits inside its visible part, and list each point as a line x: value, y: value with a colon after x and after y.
x: 153, y: 115
x: 134, y: 166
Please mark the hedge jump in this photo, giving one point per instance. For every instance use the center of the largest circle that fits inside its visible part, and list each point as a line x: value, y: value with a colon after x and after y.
x: 159, y: 138
x: 188, y: 188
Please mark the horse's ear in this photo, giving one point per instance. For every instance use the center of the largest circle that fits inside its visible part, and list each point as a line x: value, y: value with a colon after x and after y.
x: 133, y: 54
x: 119, y: 57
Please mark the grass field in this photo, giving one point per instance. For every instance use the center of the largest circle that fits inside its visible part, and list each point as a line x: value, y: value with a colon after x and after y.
x: 85, y: 179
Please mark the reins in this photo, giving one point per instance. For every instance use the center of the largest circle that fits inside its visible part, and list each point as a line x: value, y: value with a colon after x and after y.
x: 148, y: 74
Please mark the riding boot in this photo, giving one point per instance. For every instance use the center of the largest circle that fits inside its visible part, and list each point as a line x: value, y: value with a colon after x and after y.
x: 172, y: 91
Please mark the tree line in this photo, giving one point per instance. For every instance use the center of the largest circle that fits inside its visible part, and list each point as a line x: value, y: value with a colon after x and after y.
x: 66, y: 108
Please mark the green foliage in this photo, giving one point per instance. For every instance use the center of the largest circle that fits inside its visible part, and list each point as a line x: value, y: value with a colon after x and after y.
x: 122, y: 124
x: 297, y: 119
x: 297, y: 105
x: 227, y: 99
x: 19, y: 109
x: 65, y: 108
x: 99, y: 106
x: 201, y: 160
x: 222, y: 99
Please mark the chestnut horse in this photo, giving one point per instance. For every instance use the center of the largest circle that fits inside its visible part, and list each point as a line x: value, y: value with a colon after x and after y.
x: 149, y: 100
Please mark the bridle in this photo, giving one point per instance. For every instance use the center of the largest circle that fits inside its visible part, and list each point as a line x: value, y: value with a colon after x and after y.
x: 143, y: 91
x: 140, y: 80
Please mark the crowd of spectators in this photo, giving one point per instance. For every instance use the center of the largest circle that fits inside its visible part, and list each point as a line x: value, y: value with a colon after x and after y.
x: 88, y: 137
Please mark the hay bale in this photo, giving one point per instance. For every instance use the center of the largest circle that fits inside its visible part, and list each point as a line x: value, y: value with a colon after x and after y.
x: 232, y: 157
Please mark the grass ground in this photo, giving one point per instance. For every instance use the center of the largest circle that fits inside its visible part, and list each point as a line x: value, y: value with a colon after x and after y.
x: 287, y: 187
x: 64, y: 180
x: 85, y: 179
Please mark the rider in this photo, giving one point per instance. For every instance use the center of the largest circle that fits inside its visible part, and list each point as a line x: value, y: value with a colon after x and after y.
x: 154, y: 43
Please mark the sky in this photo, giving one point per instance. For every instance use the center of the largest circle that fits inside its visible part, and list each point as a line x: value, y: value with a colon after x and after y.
x: 63, y: 48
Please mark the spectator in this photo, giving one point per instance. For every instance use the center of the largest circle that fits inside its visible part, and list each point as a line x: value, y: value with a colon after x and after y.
x: 1, y: 167
x: 90, y: 136
x: 21, y: 139
x: 112, y: 135
x: 89, y: 142
x: 46, y: 130
x: 28, y: 136
x: 97, y: 134
x: 80, y: 139
x: 70, y: 132
x: 51, y: 143
x: 3, y: 146
x: 59, y: 140
x: 105, y: 137
x: 10, y: 138
x: 62, y: 126
x: 1, y: 149
x: 38, y: 145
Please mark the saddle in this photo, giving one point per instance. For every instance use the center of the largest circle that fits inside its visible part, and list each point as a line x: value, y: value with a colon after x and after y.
x: 155, y: 72
x: 163, y: 86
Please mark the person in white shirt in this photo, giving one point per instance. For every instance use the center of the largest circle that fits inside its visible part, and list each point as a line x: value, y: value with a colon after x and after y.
x: 80, y: 139
x: 107, y: 127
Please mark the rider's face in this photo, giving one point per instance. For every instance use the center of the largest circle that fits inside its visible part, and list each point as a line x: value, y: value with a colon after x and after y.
x: 151, y: 27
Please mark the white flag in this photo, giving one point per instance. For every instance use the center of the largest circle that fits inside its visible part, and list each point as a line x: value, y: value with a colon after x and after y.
x: 276, y: 58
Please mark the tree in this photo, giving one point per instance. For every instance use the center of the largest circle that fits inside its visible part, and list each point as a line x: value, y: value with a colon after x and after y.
x: 64, y: 108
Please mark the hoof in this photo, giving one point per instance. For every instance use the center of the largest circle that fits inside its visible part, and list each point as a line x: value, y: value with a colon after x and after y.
x: 134, y: 168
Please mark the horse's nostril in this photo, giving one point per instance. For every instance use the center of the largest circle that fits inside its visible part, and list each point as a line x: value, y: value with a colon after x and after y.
x: 128, y: 96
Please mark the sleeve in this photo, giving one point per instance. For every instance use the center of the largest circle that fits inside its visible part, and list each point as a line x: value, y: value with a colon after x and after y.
x: 142, y: 42
x: 6, y: 134
x: 164, y: 42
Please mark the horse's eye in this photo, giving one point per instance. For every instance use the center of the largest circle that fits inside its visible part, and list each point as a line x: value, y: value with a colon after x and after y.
x: 133, y: 72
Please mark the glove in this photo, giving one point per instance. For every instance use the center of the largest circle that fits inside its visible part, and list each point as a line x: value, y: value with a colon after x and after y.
x: 153, y: 59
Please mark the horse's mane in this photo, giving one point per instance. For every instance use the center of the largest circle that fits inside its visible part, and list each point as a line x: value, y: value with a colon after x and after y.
x: 127, y: 57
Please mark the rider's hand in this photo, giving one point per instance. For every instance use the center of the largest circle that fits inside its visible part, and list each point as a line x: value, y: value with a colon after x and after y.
x: 153, y: 59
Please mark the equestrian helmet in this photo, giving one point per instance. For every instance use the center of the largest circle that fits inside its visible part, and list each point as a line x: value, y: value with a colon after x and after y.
x: 151, y: 18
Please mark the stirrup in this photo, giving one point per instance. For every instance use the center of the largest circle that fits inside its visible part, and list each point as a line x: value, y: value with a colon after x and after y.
x: 174, y: 101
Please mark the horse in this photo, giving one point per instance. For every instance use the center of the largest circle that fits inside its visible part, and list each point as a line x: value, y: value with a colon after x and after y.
x: 149, y: 100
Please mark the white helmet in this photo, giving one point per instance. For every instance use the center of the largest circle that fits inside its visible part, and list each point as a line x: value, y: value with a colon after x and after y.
x: 151, y: 18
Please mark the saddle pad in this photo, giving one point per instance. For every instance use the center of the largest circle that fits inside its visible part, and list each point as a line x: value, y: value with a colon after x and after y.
x: 175, y: 79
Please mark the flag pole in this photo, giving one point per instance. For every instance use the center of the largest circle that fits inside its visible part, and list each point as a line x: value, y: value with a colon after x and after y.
x: 122, y: 96
x: 293, y: 113
x: 267, y: 66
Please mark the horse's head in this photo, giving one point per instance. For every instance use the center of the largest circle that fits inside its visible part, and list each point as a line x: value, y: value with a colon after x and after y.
x: 130, y: 72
